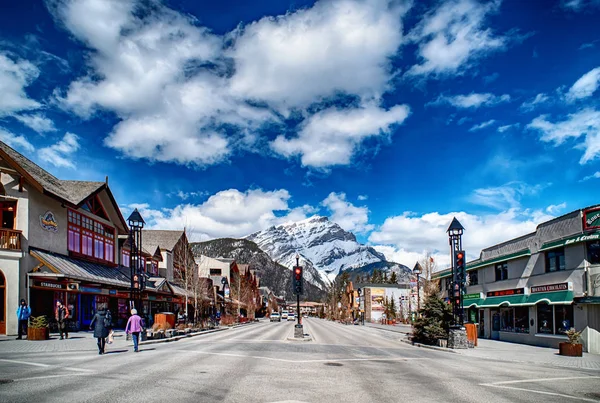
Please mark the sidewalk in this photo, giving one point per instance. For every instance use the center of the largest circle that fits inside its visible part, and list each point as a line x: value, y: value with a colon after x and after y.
x: 511, y: 352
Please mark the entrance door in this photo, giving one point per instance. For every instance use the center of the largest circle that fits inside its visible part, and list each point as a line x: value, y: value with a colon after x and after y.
x: 495, y: 325
x: 88, y: 307
x: 2, y: 304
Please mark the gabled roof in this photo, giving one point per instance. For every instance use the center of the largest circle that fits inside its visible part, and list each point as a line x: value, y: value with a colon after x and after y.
x: 163, y: 239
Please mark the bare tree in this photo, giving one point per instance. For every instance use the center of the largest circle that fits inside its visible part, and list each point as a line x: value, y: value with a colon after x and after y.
x: 429, y: 266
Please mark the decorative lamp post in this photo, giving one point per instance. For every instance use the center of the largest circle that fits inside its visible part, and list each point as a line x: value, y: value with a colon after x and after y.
x: 455, y: 231
x: 418, y: 270
x: 138, y: 280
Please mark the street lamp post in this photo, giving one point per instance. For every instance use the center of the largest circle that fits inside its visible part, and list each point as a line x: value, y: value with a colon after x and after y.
x: 418, y: 270
x: 455, y: 231
x: 138, y: 280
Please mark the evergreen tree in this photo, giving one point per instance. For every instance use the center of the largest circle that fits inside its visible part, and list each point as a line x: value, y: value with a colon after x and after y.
x: 393, y: 278
x: 433, y: 321
x: 385, y: 277
x: 392, y: 308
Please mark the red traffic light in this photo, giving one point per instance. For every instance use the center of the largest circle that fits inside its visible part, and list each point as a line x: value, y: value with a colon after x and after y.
x: 459, y: 255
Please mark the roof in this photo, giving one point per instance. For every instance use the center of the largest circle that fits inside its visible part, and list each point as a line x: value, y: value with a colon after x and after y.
x: 165, y: 239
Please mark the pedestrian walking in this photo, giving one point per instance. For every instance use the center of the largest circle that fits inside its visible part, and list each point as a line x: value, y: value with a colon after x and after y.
x: 101, y: 323
x: 134, y: 327
x: 61, y: 314
x: 23, y: 314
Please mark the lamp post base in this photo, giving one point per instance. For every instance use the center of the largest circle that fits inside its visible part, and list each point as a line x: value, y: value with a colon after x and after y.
x: 457, y: 338
x: 299, y: 331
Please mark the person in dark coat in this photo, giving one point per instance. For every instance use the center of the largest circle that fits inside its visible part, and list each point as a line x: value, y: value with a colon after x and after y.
x: 101, y: 325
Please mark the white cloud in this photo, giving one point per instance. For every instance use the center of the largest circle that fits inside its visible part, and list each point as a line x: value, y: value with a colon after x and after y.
x: 346, y: 215
x: 472, y: 100
x: 538, y: 100
x: 556, y: 208
x: 37, y: 122
x: 482, y: 125
x: 504, y: 128
x: 579, y: 5
x: 14, y: 141
x: 15, y: 75
x: 362, y: 197
x: 61, y: 153
x: 453, y: 36
x: 503, y: 197
x: 294, y: 60
x: 585, y: 123
x: 595, y: 175
x: 585, y: 86
x: 411, y: 235
x: 330, y: 137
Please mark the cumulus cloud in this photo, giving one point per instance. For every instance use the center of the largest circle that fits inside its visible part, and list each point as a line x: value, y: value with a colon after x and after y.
x: 453, y: 36
x: 583, y: 124
x: 537, y: 100
x: 15, y: 141
x: 556, y: 208
x: 346, y: 215
x: 585, y: 86
x: 330, y: 137
x: 15, y: 75
x: 595, y: 175
x: 61, y: 153
x: 37, y: 122
x: 482, y: 125
x: 410, y: 236
x: 473, y: 100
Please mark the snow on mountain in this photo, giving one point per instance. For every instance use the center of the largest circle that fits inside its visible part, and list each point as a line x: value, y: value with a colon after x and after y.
x: 324, y: 248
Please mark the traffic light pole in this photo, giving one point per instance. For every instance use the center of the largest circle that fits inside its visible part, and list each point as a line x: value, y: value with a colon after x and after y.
x: 297, y: 285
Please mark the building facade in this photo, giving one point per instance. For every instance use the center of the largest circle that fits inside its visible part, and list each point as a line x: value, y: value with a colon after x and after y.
x: 532, y: 289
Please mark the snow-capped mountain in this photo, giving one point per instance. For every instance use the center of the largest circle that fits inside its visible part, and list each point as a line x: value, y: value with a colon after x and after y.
x: 324, y: 248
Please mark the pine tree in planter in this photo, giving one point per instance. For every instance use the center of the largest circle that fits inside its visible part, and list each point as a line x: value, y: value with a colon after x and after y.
x: 572, y: 348
x: 38, y: 328
x: 433, y: 321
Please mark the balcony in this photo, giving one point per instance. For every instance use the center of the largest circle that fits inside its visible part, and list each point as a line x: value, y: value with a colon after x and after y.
x: 10, y: 239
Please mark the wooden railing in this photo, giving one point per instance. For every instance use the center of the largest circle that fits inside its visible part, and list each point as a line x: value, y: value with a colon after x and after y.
x: 10, y: 239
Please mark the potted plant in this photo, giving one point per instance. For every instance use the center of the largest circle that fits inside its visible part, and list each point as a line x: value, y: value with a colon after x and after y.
x: 573, y: 347
x: 38, y: 328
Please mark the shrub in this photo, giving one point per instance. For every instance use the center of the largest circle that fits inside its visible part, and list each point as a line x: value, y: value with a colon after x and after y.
x: 573, y: 335
x: 433, y: 321
x: 38, y: 322
x: 160, y: 326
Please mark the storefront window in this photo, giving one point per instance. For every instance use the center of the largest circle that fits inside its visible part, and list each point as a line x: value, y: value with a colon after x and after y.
x: 593, y: 252
x: 555, y: 260
x: 522, y: 319
x: 545, y: 318
x: 501, y: 271
x: 507, y: 319
x: 564, y: 318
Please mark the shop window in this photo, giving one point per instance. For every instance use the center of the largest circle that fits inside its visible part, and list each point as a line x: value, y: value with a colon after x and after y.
x: 473, y: 277
x: 593, y: 252
x: 507, y: 319
x: 448, y: 283
x: 564, y: 318
x: 522, y: 319
x: 545, y: 319
x: 555, y: 260
x: 215, y: 272
x: 502, y: 271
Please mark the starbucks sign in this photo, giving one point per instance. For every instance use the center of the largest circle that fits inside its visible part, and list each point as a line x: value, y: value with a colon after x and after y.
x: 591, y: 219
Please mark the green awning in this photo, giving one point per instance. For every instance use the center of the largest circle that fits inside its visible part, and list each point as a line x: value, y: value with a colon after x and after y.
x: 476, y: 302
x: 515, y: 255
x: 593, y: 236
x: 553, y: 298
x: 509, y: 300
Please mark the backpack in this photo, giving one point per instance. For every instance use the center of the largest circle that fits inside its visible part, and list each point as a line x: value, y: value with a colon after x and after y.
x: 107, y: 320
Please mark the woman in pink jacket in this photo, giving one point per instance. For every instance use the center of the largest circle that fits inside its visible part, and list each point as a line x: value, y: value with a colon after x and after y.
x: 134, y: 327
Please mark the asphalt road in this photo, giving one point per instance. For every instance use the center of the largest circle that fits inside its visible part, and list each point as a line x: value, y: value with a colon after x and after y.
x: 257, y: 363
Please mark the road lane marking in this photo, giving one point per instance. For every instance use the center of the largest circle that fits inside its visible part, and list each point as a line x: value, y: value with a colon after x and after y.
x: 37, y: 364
x: 541, y: 392
x: 540, y: 380
x: 33, y: 378
x: 502, y: 385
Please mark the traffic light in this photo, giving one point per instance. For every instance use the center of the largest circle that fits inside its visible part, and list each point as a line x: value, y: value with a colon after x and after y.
x: 459, y: 259
x: 297, y: 280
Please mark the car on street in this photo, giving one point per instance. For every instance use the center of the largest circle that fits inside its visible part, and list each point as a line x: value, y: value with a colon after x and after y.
x: 275, y: 317
x: 284, y: 315
x: 291, y: 316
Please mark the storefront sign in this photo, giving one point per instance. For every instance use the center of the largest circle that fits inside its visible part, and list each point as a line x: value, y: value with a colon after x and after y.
x: 47, y: 284
x: 550, y: 288
x: 48, y: 221
x: 112, y: 292
x: 472, y: 296
x: 90, y: 289
x: 122, y: 294
x: 591, y: 219
x: 583, y: 238
x: 502, y: 293
x: 377, y: 299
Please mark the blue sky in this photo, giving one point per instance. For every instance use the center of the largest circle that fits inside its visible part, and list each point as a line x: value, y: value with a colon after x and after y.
x: 390, y: 117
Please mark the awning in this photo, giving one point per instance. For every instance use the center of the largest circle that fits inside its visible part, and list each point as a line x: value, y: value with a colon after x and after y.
x: 587, y: 300
x: 476, y: 302
x: 509, y: 300
x: 477, y: 264
x: 553, y: 298
x: 592, y: 236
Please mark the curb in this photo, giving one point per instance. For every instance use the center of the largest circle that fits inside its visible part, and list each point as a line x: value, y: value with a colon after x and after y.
x: 447, y: 350
x: 305, y: 338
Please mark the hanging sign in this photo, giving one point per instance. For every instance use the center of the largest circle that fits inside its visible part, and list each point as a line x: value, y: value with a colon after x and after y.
x: 591, y: 219
x: 48, y: 221
x: 47, y: 284
x: 550, y: 288
x: 502, y: 293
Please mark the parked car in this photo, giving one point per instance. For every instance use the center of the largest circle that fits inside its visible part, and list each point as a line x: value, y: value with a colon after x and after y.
x: 291, y: 316
x: 275, y: 317
x: 284, y: 315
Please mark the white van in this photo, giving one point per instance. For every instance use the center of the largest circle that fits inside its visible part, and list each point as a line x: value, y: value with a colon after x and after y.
x: 284, y: 315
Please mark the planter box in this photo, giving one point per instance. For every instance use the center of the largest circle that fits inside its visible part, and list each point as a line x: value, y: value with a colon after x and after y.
x: 570, y: 350
x: 38, y: 334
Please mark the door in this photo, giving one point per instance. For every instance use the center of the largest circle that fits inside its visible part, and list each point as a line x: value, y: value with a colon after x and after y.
x: 495, y: 325
x: 2, y: 304
x: 88, y: 307
x: 481, y: 324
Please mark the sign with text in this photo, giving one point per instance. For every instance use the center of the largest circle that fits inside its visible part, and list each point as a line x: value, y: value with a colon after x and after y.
x: 503, y: 293
x: 591, y: 219
x: 550, y: 288
x: 47, y: 284
x: 472, y: 296
x: 377, y: 299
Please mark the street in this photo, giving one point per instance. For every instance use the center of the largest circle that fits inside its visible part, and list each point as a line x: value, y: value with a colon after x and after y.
x: 257, y: 363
